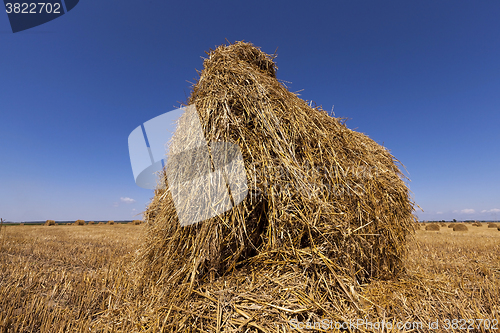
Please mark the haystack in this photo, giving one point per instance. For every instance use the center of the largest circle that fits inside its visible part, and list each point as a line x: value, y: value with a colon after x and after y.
x: 451, y: 225
x: 460, y: 227
x: 100, y: 223
x: 111, y: 222
x: 492, y: 225
x: 136, y: 222
x: 432, y: 227
x: 91, y: 222
x: 327, y: 208
x: 79, y: 222
x: 50, y: 222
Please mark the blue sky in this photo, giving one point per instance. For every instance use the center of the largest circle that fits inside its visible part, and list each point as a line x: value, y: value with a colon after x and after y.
x: 422, y: 78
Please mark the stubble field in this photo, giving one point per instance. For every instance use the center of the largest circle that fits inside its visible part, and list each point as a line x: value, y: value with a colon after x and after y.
x: 83, y: 279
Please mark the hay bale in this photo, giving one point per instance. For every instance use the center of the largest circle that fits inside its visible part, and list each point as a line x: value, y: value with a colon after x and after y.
x: 111, y: 222
x: 79, y: 222
x: 50, y: 222
x: 21, y: 224
x: 451, y: 225
x: 100, y: 223
x: 492, y: 225
x: 319, y: 196
x: 91, y: 222
x: 68, y: 223
x: 479, y: 224
x: 432, y: 227
x: 460, y: 227
x: 136, y: 222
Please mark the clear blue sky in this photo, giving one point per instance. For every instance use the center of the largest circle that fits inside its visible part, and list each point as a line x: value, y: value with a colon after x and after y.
x: 420, y: 77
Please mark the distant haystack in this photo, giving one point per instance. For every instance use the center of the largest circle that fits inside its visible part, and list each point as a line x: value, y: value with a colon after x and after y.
x: 432, y: 227
x: 79, y: 222
x: 460, y: 227
x: 451, y: 225
x: 111, y: 222
x: 492, y: 225
x: 68, y: 223
x: 136, y: 222
x: 478, y: 224
x: 21, y: 224
x: 100, y: 223
x: 91, y: 222
x: 50, y: 222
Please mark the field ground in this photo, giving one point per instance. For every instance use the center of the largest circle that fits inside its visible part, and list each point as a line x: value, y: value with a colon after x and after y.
x: 82, y: 278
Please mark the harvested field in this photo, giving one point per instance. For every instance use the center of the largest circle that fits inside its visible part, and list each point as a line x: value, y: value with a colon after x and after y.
x: 83, y: 279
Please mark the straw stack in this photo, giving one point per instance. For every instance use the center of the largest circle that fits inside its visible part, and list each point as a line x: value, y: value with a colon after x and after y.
x: 50, y: 222
x: 327, y: 208
x: 460, y: 227
x: 432, y: 227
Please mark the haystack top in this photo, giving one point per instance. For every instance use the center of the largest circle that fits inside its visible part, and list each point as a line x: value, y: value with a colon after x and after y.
x: 240, y: 53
